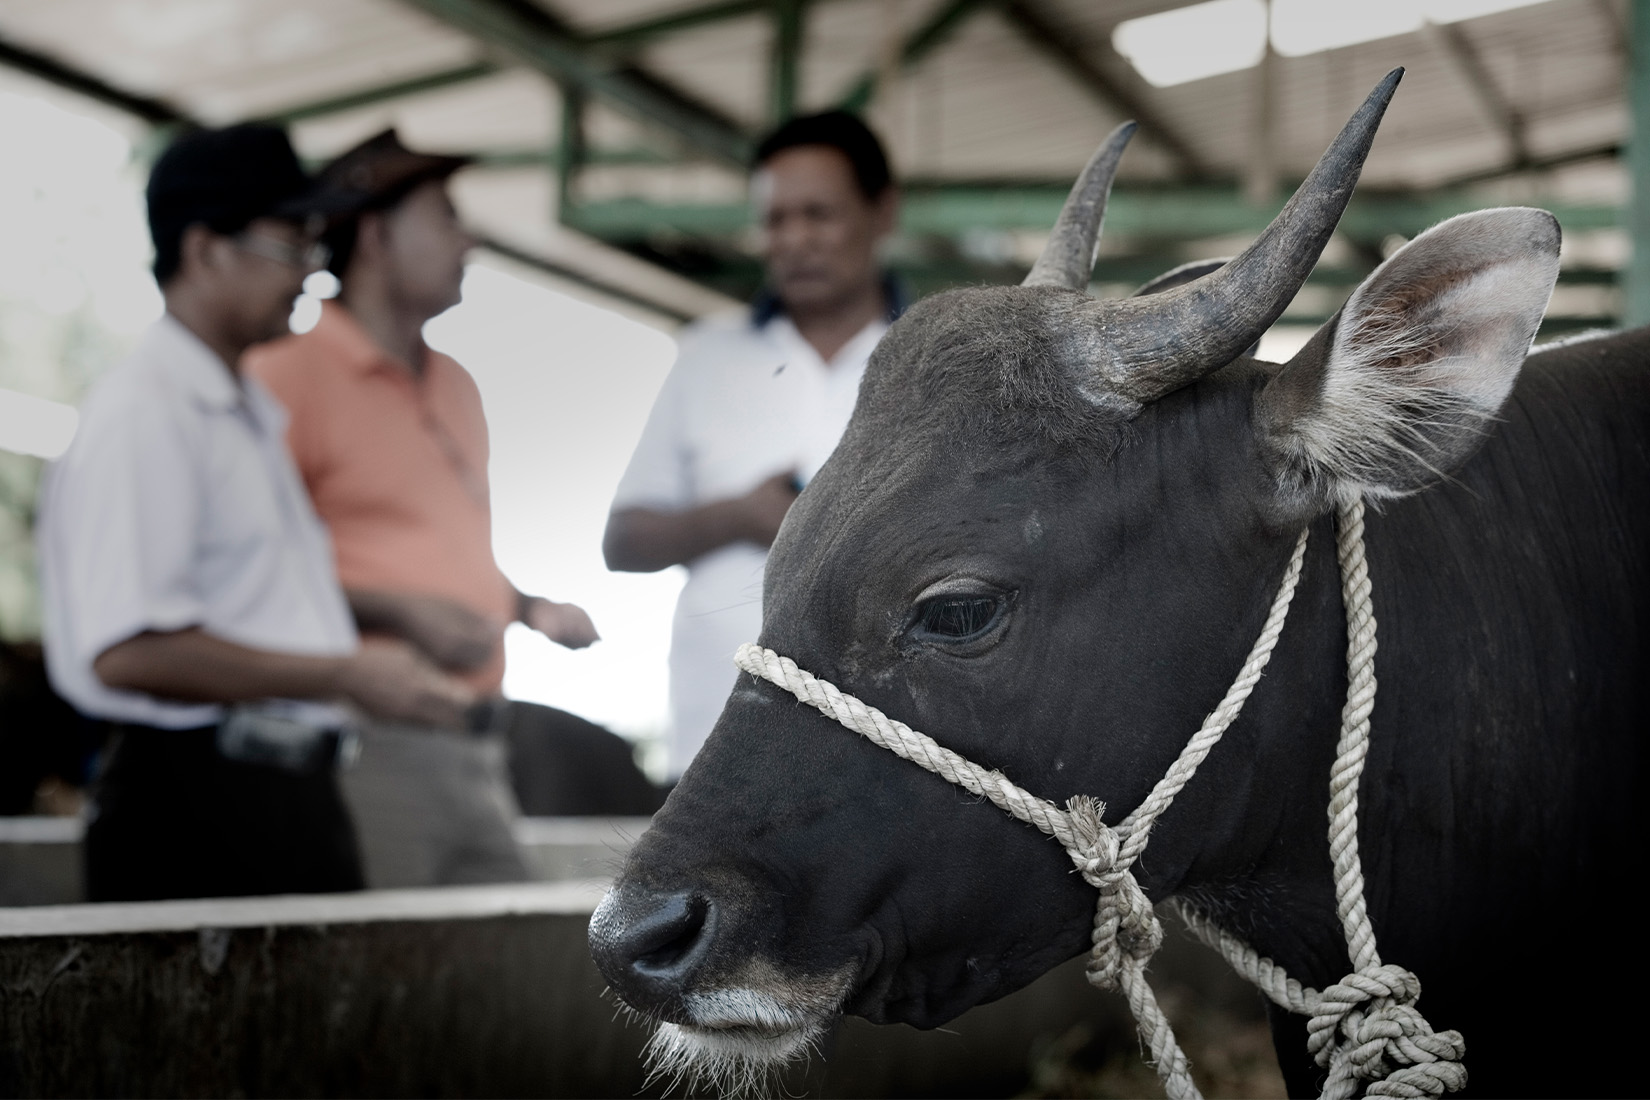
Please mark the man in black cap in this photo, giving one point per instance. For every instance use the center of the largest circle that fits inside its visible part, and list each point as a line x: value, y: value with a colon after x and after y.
x: 189, y: 592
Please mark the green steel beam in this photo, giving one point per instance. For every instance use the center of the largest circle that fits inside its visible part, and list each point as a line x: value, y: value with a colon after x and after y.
x: 527, y: 33
x: 1636, y: 299
x: 789, y: 17
x: 153, y: 111
x: 1607, y: 151
x: 736, y: 268
x: 540, y: 157
x: 1137, y: 210
x: 739, y: 276
x: 631, y: 36
x: 919, y: 44
x: 366, y: 97
x: 570, y: 153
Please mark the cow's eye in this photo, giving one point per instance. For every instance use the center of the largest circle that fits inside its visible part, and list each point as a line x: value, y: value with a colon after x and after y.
x: 957, y: 618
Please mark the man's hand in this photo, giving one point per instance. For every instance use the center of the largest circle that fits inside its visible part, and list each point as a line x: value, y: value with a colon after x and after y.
x: 764, y: 507
x: 563, y: 623
x: 448, y: 633
x: 390, y: 679
x: 641, y: 540
x: 386, y: 678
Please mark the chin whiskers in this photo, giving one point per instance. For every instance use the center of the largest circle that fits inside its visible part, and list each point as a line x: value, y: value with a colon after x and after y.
x: 733, y: 1063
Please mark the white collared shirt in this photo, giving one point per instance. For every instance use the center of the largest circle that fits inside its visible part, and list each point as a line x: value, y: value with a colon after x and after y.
x: 741, y: 404
x: 178, y: 506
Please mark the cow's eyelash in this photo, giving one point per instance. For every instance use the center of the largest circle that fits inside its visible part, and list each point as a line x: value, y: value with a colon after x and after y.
x: 958, y: 618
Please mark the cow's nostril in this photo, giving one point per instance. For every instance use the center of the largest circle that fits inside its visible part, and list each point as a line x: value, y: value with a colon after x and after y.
x: 669, y: 935
x: 648, y: 943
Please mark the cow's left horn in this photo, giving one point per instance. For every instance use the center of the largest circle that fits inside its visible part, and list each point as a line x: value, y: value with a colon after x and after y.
x: 1162, y: 342
x: 1068, y: 258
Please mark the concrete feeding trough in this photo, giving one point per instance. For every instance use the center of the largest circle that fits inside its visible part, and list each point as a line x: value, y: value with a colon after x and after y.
x: 40, y: 861
x: 40, y: 856
x: 448, y: 992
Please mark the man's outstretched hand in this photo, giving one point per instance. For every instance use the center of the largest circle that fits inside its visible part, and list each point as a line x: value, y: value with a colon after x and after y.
x: 563, y: 623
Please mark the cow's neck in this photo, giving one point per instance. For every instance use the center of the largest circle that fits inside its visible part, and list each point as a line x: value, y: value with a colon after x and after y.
x: 1250, y: 844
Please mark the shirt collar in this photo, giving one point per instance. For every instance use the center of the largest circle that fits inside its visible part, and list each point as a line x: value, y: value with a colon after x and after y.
x: 186, y: 360
x: 349, y: 343
x: 766, y: 305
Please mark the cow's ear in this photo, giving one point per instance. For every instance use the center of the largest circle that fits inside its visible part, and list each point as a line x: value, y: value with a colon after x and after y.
x: 1403, y: 385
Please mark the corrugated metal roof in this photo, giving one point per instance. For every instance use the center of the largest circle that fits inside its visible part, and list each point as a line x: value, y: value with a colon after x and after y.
x: 1015, y: 90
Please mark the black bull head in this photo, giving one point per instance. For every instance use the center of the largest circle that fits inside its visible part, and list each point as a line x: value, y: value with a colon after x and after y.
x: 1048, y: 538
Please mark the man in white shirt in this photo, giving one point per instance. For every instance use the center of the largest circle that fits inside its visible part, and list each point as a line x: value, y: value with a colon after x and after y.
x: 189, y: 592
x: 757, y: 402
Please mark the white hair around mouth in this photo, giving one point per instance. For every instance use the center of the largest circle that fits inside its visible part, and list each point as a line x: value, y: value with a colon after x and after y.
x: 736, y: 1045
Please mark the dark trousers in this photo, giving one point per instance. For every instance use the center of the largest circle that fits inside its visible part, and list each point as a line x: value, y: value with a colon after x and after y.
x: 171, y: 818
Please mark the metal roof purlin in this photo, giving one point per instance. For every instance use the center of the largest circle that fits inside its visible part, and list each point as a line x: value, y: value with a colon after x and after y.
x: 918, y: 44
x: 632, y: 36
x: 49, y: 69
x: 1608, y: 150
x: 1451, y: 44
x: 366, y: 97
x: 1056, y: 43
x: 531, y: 36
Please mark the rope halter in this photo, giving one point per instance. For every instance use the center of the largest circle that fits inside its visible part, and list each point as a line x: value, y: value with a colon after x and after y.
x: 1364, y: 1030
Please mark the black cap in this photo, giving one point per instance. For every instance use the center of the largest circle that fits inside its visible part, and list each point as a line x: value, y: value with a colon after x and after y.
x: 225, y: 178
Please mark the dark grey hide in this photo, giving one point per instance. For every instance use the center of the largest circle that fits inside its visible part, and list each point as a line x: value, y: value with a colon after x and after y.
x: 1125, y: 555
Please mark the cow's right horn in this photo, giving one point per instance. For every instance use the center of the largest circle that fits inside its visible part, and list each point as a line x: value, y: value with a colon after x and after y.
x: 1162, y: 342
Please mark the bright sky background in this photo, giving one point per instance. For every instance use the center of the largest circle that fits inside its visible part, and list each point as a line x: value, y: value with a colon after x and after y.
x: 566, y: 385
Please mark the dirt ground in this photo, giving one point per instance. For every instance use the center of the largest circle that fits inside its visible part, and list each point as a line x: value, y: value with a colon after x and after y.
x: 1219, y: 1021
x: 1231, y: 1056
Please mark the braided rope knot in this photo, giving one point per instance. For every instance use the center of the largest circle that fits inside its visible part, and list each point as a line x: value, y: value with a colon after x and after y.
x: 1367, y: 1029
x: 1124, y: 922
x: 1095, y: 845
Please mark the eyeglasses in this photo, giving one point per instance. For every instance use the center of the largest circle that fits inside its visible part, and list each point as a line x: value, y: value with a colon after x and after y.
x: 312, y: 256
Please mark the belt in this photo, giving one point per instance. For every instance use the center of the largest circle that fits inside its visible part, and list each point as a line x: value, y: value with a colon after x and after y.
x: 135, y: 745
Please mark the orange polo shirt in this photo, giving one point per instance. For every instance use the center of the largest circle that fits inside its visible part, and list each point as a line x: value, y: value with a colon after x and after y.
x: 396, y: 464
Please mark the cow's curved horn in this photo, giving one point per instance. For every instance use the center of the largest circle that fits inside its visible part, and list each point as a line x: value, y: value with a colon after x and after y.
x: 1162, y: 342
x: 1068, y: 258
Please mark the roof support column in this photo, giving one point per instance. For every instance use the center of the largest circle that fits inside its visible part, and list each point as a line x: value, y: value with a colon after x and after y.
x: 570, y: 153
x: 1260, y: 177
x: 788, y: 19
x: 1636, y: 284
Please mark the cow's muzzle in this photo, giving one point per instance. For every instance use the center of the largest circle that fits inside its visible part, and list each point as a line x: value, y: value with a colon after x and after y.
x: 650, y: 944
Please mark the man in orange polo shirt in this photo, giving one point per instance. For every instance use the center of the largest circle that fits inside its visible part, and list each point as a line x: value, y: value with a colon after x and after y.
x: 392, y: 444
